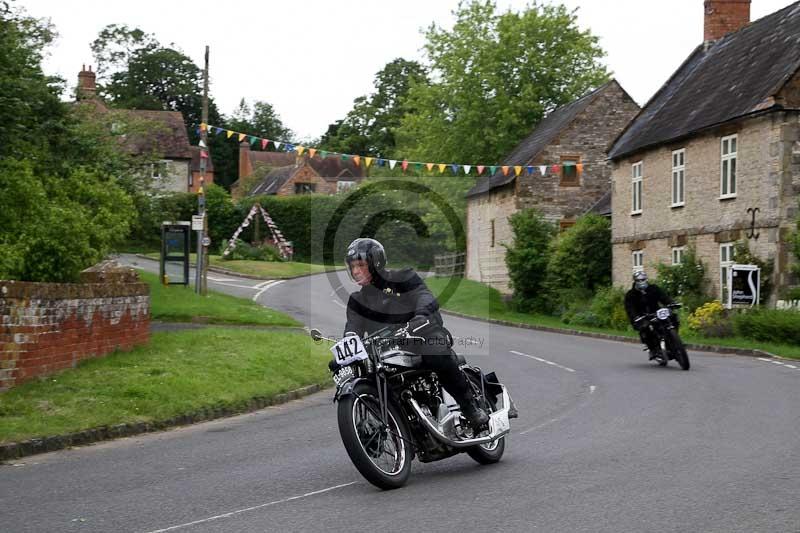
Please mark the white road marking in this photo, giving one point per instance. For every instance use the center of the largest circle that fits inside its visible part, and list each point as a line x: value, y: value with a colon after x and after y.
x: 543, y: 361
x: 592, y: 388
x: 221, y: 279
x: 264, y: 288
x: 765, y: 359
x: 264, y: 283
x: 774, y: 362
x: 790, y: 366
x: 232, y: 513
x: 235, y: 285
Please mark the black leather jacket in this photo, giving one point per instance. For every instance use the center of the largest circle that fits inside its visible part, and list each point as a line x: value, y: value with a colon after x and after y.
x: 638, y: 303
x: 394, y: 297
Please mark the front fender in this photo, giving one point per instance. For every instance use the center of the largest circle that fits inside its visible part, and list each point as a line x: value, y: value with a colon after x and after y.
x: 347, y: 389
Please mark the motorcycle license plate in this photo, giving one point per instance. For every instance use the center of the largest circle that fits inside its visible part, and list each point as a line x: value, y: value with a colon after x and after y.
x: 343, y: 376
x: 349, y: 350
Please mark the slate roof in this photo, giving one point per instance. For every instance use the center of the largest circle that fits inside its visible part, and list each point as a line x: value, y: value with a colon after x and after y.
x: 530, y: 147
x: 735, y: 76
x: 273, y: 181
x: 328, y: 167
x: 602, y: 207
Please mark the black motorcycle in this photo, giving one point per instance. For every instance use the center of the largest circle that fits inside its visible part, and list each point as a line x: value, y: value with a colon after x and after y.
x: 390, y: 410
x: 671, y: 346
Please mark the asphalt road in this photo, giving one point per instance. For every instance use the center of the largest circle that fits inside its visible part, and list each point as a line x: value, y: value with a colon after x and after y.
x: 606, y: 441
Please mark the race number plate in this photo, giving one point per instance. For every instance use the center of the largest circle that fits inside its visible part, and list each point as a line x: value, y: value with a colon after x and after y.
x: 663, y: 313
x: 349, y: 350
x: 498, y: 422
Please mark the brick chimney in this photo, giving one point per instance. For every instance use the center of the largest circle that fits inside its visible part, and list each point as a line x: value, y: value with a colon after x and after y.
x: 723, y: 17
x: 87, y: 87
x: 245, y: 168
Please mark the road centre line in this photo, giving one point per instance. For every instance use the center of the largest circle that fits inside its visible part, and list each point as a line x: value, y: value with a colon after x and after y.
x: 774, y: 362
x: 266, y: 286
x: 232, y: 513
x: 568, y: 369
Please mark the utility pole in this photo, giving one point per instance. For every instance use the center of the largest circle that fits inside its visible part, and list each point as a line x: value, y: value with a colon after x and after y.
x: 201, y: 265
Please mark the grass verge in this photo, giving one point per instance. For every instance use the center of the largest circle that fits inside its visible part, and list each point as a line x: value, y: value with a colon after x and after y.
x: 178, y: 372
x: 479, y: 300
x: 180, y: 304
x: 261, y: 269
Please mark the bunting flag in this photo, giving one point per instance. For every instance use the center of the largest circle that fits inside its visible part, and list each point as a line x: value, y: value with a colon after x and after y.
x: 368, y: 160
x: 201, y: 144
x: 203, y: 154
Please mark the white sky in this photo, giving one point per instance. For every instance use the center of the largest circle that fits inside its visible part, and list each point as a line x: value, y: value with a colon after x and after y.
x: 311, y: 58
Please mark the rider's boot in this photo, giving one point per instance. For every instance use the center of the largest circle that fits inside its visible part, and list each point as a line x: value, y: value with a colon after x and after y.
x: 476, y: 416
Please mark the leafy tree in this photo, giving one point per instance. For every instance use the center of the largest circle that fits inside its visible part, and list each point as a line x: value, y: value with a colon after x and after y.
x: 369, y: 128
x: 527, y: 258
x: 496, y: 76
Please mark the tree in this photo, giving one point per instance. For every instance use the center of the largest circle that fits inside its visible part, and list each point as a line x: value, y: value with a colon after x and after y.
x: 369, y: 128
x: 527, y: 258
x: 496, y: 76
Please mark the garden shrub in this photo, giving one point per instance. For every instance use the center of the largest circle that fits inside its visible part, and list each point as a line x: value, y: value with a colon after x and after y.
x: 711, y: 320
x: 685, y: 282
x: 771, y: 325
x: 609, y: 306
x: 527, y: 259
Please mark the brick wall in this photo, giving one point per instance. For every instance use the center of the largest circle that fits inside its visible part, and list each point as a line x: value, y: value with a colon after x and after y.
x: 768, y: 178
x: 306, y: 174
x: 48, y: 327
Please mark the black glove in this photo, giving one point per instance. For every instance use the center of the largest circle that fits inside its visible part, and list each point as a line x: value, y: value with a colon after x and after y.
x: 419, y: 324
x: 638, y: 322
x: 333, y: 366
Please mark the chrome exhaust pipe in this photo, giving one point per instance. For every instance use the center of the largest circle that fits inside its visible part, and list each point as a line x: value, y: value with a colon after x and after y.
x: 497, y: 428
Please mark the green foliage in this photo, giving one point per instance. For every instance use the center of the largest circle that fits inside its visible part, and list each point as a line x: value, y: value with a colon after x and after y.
x: 609, y: 305
x: 527, y: 258
x: 369, y: 128
x: 772, y: 325
x: 249, y: 252
x: 581, y: 256
x: 743, y: 256
x: 495, y: 76
x: 52, y: 228
x: 685, y: 282
x: 711, y: 320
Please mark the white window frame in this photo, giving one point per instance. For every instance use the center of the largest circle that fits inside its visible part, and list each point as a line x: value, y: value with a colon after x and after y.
x: 678, y: 254
x: 728, y: 165
x: 637, y: 259
x: 725, y: 262
x: 636, y: 188
x: 678, y: 187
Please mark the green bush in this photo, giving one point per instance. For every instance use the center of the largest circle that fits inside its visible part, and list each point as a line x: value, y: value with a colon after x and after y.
x: 792, y: 294
x: 743, y: 256
x: 248, y: 252
x: 711, y: 320
x: 527, y: 258
x: 772, y: 325
x: 685, y: 282
x: 609, y: 305
x: 580, y: 257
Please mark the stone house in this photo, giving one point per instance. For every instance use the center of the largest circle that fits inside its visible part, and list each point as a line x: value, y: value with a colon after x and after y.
x: 160, y: 135
x: 714, y: 157
x: 285, y: 173
x: 571, y: 142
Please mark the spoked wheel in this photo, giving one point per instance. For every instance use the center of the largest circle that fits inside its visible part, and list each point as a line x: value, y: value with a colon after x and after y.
x: 381, y: 452
x: 678, y: 350
x: 491, y: 452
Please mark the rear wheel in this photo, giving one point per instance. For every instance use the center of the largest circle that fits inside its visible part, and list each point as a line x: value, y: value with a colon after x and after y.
x: 381, y: 453
x: 491, y: 452
x: 678, y: 350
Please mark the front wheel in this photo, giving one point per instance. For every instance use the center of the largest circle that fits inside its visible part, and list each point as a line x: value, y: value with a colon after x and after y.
x: 381, y: 453
x: 678, y: 350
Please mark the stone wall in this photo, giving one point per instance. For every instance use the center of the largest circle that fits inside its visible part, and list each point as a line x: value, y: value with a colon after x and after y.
x: 486, y: 263
x: 768, y: 178
x: 48, y: 327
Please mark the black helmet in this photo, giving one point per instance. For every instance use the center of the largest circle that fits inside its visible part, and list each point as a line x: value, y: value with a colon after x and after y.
x: 368, y: 250
x: 640, y: 280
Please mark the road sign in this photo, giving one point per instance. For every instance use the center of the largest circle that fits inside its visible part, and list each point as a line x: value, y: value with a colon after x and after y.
x: 206, y: 241
x: 197, y: 222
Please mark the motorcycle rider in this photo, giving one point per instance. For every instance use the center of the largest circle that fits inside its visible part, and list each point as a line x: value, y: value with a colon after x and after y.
x: 645, y: 298
x: 395, y: 297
